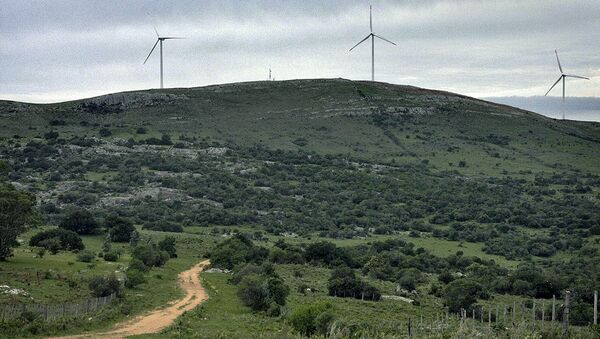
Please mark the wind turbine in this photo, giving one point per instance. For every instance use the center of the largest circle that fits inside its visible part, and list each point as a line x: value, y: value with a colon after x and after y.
x: 372, y: 36
x: 562, y: 77
x: 159, y: 40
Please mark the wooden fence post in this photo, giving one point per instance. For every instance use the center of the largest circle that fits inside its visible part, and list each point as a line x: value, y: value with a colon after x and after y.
x: 489, y: 316
x: 514, y: 311
x: 566, y: 312
x: 409, y: 329
x: 533, y: 312
x: 553, y: 307
x: 595, y: 307
x: 543, y: 310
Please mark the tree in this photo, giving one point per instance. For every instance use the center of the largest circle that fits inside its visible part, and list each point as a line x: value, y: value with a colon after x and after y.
x: 16, y: 211
x: 168, y: 245
x: 260, y: 292
x: 120, y: 228
x: 67, y: 240
x: 81, y: 222
x: 462, y: 294
x: 104, y: 286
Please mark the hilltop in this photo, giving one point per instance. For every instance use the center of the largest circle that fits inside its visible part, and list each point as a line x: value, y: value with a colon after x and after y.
x: 373, y: 121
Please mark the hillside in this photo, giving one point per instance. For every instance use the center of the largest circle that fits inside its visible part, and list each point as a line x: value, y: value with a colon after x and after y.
x: 410, y: 193
x: 375, y: 121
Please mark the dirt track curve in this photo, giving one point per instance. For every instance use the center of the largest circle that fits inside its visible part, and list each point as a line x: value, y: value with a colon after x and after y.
x: 157, y: 320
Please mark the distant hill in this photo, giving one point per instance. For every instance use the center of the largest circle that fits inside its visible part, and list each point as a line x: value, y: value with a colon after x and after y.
x: 369, y: 120
x: 575, y: 108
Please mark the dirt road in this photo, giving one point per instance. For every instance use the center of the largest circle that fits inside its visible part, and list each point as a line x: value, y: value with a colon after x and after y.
x: 159, y: 319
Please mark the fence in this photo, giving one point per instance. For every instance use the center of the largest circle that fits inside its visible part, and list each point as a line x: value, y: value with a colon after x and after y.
x: 540, y: 315
x: 53, y: 312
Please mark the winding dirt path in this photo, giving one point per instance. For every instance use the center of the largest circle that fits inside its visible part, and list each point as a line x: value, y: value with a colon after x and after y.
x: 157, y: 320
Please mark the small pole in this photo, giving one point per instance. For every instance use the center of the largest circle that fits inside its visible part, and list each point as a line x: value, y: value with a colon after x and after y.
x: 514, y: 310
x: 566, y: 312
x: 481, y: 314
x: 473, y: 314
x: 534, y: 312
x: 595, y: 307
x: 489, y: 316
x: 409, y: 329
x: 553, y: 307
x: 496, y: 319
x: 543, y: 310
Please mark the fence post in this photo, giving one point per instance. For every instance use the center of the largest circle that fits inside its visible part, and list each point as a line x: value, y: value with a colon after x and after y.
x: 543, y: 310
x: 595, y: 307
x: 566, y: 312
x: 473, y: 315
x: 489, y: 316
x: 533, y: 312
x: 409, y: 329
x: 514, y: 310
x: 553, y: 307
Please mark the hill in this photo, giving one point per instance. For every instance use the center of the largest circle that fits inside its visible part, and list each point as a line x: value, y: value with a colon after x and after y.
x: 375, y: 121
x: 414, y: 194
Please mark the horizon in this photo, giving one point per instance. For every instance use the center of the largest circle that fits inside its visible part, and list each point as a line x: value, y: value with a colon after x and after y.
x: 451, y: 46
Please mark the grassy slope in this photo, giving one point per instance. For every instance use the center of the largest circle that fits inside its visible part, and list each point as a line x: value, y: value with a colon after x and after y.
x: 336, y: 117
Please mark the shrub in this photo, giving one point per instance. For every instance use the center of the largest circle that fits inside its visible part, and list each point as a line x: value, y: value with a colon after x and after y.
x: 463, y: 293
x: 120, y: 228
x: 311, y: 319
x: 80, y: 222
x: 163, y: 226
x: 104, y: 132
x: 168, y: 245
x: 85, y: 256
x: 134, y: 277
x: 141, y: 130
x: 102, y: 286
x: 262, y: 292
x: 150, y: 255
x: 67, y: 240
x: 236, y: 250
x: 111, y: 256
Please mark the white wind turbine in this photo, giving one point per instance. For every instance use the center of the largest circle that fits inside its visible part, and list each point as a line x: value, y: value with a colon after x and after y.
x: 159, y: 40
x: 562, y: 77
x: 372, y: 36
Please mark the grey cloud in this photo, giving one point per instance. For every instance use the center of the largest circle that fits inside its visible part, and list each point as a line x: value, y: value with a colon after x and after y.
x: 52, y: 49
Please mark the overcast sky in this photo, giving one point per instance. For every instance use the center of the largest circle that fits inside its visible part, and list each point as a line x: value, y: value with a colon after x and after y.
x: 58, y: 50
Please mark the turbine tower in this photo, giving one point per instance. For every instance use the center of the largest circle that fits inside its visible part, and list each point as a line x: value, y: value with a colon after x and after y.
x: 159, y: 40
x: 562, y: 77
x: 372, y: 36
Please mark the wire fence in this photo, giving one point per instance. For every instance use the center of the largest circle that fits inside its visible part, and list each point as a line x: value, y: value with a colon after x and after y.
x: 54, y: 312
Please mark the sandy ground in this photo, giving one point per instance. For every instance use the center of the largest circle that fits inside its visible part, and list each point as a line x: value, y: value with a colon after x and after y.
x: 159, y: 319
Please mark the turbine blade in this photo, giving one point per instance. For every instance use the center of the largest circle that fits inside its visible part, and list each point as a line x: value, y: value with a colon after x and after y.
x: 152, y: 50
x: 157, y: 35
x: 371, y: 18
x: 558, y: 60
x: 360, y: 42
x: 557, y: 81
x: 576, y: 76
x: 384, y: 39
x: 172, y: 37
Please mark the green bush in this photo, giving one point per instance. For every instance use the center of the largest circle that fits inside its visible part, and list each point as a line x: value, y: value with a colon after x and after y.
x: 150, y: 255
x: 80, y: 222
x: 120, y: 228
x: 102, y: 286
x: 311, y: 319
x: 67, y: 240
x: 111, y: 256
x: 85, y: 256
x: 168, y: 245
x: 261, y: 292
x: 134, y: 277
